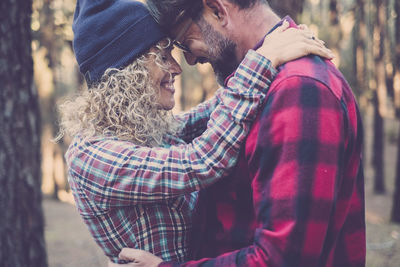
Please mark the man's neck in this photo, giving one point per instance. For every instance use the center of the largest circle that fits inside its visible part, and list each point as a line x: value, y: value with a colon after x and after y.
x: 255, y: 24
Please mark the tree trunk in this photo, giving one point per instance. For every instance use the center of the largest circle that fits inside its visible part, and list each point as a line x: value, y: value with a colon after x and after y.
x: 21, y: 225
x: 389, y: 54
x: 360, y: 44
x: 377, y: 158
x: 335, y: 30
x: 379, y: 97
x: 396, y: 196
x: 333, y: 13
x: 396, y: 83
x: 293, y: 8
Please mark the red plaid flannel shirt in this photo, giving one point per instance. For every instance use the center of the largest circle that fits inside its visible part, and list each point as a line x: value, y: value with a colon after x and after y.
x: 296, y: 197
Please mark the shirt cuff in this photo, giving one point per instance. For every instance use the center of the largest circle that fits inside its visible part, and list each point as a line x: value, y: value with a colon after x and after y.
x: 256, y: 71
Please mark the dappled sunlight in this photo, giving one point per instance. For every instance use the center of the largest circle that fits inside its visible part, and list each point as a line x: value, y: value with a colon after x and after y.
x: 42, y: 73
x: 48, y: 183
x: 66, y: 197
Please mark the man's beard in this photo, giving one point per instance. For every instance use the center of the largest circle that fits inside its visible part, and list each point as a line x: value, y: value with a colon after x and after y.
x: 221, y: 51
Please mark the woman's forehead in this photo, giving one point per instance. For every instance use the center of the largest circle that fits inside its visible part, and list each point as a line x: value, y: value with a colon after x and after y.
x: 164, y: 45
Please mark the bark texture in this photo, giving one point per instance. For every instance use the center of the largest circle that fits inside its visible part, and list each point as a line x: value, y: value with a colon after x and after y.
x: 21, y: 224
x: 396, y: 197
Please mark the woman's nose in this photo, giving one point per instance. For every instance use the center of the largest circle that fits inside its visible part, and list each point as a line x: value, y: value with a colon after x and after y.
x: 175, y: 68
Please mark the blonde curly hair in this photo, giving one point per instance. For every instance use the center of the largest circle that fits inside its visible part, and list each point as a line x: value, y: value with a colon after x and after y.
x: 124, y: 104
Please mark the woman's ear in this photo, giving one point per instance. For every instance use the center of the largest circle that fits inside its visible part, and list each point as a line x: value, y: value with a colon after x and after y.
x: 217, y: 10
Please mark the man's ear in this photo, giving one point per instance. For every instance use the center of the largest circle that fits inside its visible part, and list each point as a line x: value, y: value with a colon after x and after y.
x: 218, y: 10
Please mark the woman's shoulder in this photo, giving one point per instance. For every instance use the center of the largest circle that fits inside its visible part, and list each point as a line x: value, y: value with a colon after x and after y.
x: 101, y: 145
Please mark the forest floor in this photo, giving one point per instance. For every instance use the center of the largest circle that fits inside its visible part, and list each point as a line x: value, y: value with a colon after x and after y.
x: 69, y: 243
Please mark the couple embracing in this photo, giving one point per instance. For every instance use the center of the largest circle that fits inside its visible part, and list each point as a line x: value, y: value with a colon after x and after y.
x: 268, y: 172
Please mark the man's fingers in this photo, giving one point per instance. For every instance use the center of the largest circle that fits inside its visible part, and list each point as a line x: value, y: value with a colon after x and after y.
x: 139, y: 257
x: 112, y: 264
x: 129, y: 254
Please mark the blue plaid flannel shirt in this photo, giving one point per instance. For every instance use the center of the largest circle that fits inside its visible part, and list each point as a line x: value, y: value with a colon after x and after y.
x: 141, y: 197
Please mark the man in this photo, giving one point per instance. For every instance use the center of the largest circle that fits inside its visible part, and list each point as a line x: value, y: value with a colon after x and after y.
x: 296, y: 197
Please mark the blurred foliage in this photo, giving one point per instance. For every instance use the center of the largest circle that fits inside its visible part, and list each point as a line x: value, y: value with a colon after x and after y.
x: 55, y: 74
x: 362, y: 34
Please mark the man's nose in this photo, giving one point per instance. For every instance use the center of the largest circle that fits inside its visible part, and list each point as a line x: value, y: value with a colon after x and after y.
x: 190, y: 58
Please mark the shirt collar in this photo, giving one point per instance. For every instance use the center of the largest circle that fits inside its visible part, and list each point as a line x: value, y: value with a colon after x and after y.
x: 292, y: 24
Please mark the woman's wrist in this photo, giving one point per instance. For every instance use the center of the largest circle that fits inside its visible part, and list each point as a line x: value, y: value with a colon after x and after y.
x: 270, y: 55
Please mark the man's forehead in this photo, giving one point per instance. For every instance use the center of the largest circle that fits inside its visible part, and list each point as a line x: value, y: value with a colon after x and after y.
x: 174, y: 30
x: 187, y: 11
x: 179, y: 30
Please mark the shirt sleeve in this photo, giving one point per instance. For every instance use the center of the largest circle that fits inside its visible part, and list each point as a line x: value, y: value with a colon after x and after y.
x: 194, y: 121
x: 296, y: 169
x: 118, y: 173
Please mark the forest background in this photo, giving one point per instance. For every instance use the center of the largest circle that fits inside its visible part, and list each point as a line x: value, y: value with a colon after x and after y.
x: 39, y: 225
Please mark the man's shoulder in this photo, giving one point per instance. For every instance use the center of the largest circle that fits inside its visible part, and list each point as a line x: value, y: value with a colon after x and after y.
x: 310, y: 68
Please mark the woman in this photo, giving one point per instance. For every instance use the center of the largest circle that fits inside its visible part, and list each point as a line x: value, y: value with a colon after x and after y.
x: 133, y: 168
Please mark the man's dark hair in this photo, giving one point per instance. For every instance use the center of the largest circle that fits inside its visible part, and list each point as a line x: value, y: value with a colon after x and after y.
x: 169, y: 13
x: 243, y: 4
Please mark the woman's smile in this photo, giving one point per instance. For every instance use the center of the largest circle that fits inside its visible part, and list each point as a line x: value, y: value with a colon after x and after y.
x: 168, y: 85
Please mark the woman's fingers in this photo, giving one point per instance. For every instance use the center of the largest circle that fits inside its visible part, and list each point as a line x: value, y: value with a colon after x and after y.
x: 310, y: 33
x: 303, y: 27
x: 285, y: 45
x: 314, y: 47
x: 283, y: 27
x: 304, y: 47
